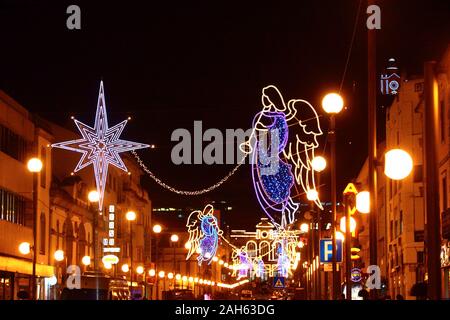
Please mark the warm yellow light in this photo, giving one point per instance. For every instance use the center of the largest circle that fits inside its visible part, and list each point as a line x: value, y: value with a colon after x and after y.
x: 161, y: 274
x: 198, y: 250
x: 312, y: 195
x: 398, y: 164
x: 196, y: 280
x: 125, y: 268
x: 300, y: 244
x: 93, y: 196
x: 332, y: 103
x: 152, y: 272
x: 352, y: 224
x: 184, y: 278
x: 131, y: 215
x: 221, y: 262
x: 107, y: 265
x: 174, y: 238
x: 34, y: 165
x: 178, y: 276
x: 140, y: 270
x: 86, y: 260
x: 59, y: 255
x: 188, y: 245
x: 215, y: 259
x: 201, y: 281
x: 225, y: 264
x: 363, y: 202
x: 304, y: 227
x: 319, y: 163
x: 191, y: 279
x: 340, y: 236
x: 24, y: 248
x: 157, y: 228
x: 170, y: 275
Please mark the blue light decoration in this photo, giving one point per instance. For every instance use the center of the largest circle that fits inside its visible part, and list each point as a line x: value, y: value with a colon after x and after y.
x: 100, y: 146
x: 272, y: 162
x: 283, y: 263
x: 390, y: 80
x: 204, y: 232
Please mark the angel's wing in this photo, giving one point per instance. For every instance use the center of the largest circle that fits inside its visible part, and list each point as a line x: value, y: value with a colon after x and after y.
x: 300, y: 149
x: 195, y: 233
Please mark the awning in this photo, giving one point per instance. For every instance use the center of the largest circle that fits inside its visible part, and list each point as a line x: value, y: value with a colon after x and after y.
x: 25, y: 267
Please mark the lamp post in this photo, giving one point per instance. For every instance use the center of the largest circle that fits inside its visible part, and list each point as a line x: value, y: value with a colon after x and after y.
x: 174, y: 239
x: 131, y: 216
x: 93, y: 198
x: 157, y: 230
x: 34, y: 166
x: 333, y: 103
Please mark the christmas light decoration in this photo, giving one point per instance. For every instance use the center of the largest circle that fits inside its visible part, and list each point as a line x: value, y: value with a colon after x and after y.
x: 272, y: 177
x: 204, y: 234
x: 100, y: 146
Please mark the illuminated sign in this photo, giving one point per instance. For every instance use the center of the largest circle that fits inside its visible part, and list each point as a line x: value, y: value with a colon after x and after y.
x: 110, y: 259
x: 390, y: 80
x: 356, y: 275
x: 109, y: 242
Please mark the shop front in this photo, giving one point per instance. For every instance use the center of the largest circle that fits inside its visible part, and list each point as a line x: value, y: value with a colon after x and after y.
x: 445, y: 267
x: 15, y: 279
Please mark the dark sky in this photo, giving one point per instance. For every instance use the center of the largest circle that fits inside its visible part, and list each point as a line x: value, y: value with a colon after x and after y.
x: 167, y: 64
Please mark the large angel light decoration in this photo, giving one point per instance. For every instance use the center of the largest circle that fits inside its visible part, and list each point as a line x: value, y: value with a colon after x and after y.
x: 275, y: 151
x: 100, y: 146
x: 204, y: 233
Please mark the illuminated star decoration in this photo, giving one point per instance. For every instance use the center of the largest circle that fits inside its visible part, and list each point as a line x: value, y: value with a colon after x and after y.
x: 100, y: 146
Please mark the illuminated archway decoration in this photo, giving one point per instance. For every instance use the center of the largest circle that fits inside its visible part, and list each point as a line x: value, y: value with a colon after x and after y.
x: 273, y: 177
x: 100, y: 146
x: 204, y: 234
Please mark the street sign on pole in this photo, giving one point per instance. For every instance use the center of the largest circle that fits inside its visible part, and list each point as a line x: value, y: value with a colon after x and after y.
x: 326, y: 250
x: 279, y: 282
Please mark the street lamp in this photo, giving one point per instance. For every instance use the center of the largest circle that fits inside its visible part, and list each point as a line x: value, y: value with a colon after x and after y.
x: 157, y: 228
x: 319, y: 163
x: 34, y: 165
x: 131, y: 216
x: 333, y: 103
x: 312, y: 195
x: 363, y: 202
x: 398, y: 164
x: 125, y: 268
x: 304, y: 227
x: 25, y: 248
x: 86, y: 260
x: 59, y: 255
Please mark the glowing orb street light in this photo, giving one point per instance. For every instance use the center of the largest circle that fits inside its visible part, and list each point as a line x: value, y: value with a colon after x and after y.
x: 332, y: 103
x: 319, y: 163
x: 398, y: 164
x: 363, y: 201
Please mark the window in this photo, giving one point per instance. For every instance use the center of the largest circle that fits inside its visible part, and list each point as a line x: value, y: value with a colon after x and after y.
x: 12, y: 207
x: 13, y: 145
x: 42, y: 234
x: 442, y: 120
x: 57, y: 234
x: 43, y: 170
x: 444, y: 191
x: 391, y: 230
x: 418, y: 173
x: 401, y: 222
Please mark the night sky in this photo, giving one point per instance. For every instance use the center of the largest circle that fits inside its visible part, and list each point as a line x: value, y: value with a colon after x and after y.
x: 167, y: 64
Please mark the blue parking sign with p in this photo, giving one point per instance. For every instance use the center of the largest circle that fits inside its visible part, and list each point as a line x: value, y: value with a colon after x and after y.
x: 326, y: 250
